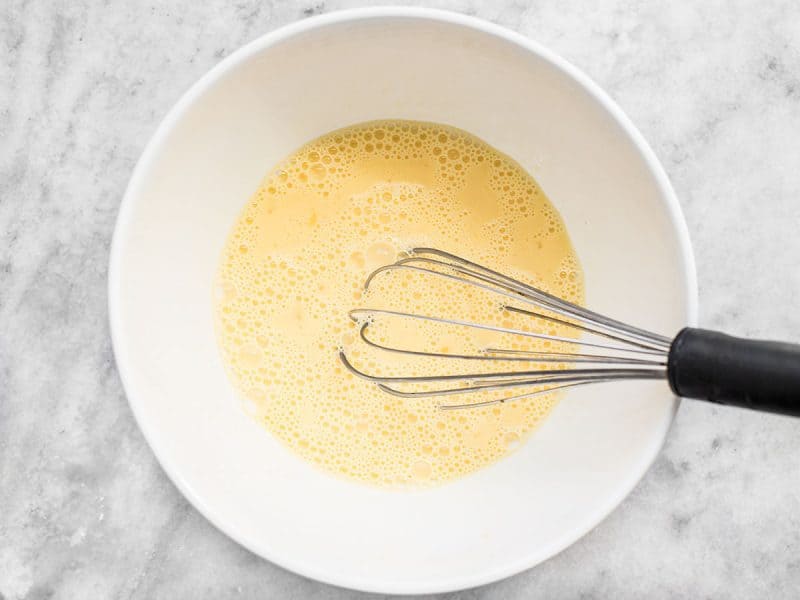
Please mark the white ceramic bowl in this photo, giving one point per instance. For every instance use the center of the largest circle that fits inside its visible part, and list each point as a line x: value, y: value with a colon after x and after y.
x: 209, y: 155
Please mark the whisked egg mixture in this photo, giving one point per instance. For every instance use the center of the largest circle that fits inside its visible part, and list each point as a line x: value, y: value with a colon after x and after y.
x: 295, y: 263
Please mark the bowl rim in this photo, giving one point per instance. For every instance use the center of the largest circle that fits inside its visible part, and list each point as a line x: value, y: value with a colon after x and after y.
x: 264, y: 42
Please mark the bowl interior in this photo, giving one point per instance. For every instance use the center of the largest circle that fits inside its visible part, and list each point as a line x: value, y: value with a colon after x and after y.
x: 210, y: 155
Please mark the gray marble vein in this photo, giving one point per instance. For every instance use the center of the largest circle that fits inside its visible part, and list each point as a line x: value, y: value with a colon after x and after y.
x: 85, y: 510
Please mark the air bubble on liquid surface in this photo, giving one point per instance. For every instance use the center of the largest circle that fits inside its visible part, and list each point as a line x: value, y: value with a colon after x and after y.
x: 250, y: 356
x: 421, y: 470
x: 381, y: 253
x: 224, y: 292
x: 255, y: 401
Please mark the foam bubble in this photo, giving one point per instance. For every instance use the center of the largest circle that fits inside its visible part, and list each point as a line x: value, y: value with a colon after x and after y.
x: 295, y: 263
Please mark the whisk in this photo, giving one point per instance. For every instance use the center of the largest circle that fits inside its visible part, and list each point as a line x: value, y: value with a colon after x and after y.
x: 697, y: 363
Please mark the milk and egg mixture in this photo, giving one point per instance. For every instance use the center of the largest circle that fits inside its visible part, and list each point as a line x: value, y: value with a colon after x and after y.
x: 295, y: 264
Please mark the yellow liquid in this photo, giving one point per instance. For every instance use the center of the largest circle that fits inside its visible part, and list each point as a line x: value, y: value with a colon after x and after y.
x: 295, y: 264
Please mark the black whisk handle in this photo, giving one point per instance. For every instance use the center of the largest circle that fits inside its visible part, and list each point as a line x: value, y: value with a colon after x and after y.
x: 720, y: 368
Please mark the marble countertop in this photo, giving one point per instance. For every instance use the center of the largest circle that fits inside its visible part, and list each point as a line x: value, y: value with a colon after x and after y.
x: 85, y: 510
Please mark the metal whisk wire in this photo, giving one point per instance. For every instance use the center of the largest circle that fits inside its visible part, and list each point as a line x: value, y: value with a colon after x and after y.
x: 628, y: 353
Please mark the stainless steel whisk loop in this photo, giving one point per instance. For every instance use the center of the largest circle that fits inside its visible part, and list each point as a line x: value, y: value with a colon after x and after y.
x: 614, y: 351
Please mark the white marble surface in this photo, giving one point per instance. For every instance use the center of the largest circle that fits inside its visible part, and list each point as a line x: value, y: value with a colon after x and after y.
x: 85, y: 510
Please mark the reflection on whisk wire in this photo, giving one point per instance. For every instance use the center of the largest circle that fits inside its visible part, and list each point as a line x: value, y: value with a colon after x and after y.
x: 616, y: 350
